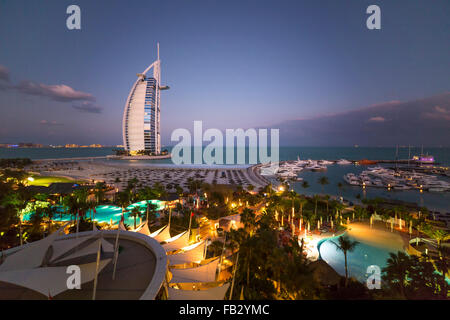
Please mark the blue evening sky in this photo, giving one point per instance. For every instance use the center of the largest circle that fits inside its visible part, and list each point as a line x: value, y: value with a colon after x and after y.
x: 246, y: 63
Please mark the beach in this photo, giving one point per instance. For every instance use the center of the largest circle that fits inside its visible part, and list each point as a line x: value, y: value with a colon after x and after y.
x: 119, y: 173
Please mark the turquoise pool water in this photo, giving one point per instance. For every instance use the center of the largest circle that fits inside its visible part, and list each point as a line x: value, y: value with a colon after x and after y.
x: 105, y: 213
x: 363, y: 256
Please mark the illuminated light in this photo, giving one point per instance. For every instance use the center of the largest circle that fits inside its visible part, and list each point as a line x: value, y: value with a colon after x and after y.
x: 281, y: 188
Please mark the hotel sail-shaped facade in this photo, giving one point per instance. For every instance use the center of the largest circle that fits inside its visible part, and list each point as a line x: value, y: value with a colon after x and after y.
x: 142, y: 114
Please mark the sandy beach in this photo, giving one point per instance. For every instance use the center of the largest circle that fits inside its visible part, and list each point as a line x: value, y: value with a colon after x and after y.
x: 118, y: 174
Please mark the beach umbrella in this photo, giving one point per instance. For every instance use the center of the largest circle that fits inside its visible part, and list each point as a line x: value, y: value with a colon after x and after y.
x: 308, y: 226
x: 392, y: 224
x: 371, y: 221
x: 348, y: 220
x: 331, y: 223
x: 410, y: 228
x: 318, y: 224
x: 400, y: 223
x: 320, y: 220
x: 300, y: 224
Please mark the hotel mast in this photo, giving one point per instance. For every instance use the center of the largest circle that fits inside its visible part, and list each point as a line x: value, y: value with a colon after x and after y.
x: 141, y: 117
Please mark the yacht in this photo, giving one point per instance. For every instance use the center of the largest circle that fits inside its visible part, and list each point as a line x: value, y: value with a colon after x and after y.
x: 343, y: 162
x: 350, y: 178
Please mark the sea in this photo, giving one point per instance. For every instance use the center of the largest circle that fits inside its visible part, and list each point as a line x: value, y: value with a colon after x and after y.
x: 433, y: 201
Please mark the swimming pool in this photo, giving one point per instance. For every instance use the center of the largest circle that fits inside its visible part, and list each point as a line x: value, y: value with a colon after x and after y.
x: 358, y: 260
x: 105, y: 213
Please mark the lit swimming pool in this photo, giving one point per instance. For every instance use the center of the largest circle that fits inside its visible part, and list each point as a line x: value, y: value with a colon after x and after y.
x: 105, y: 213
x: 363, y: 256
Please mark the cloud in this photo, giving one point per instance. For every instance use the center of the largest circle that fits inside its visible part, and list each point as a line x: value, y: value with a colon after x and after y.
x: 4, y: 73
x: 377, y: 119
x: 58, y: 92
x: 438, y: 113
x: 50, y: 123
x: 423, y: 121
x: 89, y: 107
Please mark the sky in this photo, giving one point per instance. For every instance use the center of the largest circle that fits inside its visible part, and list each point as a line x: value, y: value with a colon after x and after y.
x: 231, y: 64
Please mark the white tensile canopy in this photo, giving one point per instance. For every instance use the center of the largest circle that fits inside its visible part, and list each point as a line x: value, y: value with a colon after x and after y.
x: 90, y: 249
x: 204, y: 273
x: 176, y: 243
x: 162, y: 234
x: 51, y: 280
x: 31, y: 256
x: 143, y: 228
x: 60, y: 247
x: 192, y: 253
x: 217, y: 293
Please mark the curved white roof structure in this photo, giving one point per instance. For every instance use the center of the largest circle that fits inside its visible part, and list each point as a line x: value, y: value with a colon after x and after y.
x: 176, y: 243
x: 192, y: 253
x: 142, y: 113
x: 204, y: 273
x: 50, y: 280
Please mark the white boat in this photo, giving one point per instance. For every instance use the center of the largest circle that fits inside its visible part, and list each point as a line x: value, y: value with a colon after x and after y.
x: 269, y: 170
x: 343, y: 162
x: 350, y: 178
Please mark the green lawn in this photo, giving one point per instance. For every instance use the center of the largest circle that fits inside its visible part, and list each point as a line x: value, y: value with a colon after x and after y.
x: 47, y: 180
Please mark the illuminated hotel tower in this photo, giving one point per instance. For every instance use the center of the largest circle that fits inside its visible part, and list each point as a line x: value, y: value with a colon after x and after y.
x: 141, y: 117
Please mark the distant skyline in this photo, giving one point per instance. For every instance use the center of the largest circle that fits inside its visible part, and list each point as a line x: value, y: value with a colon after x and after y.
x: 308, y: 67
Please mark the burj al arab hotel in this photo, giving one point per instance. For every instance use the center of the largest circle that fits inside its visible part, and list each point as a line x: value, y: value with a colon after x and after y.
x: 141, y: 117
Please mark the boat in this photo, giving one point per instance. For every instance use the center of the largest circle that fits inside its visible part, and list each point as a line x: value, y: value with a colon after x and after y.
x: 343, y: 162
x: 365, y: 162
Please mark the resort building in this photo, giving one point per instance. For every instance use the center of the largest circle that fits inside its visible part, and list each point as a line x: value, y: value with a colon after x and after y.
x: 141, y: 117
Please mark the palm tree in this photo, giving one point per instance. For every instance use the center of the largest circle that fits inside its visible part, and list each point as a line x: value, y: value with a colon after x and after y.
x: 49, y: 213
x: 99, y: 191
x: 323, y: 181
x: 123, y: 200
x: 151, y: 209
x: 437, y: 234
x: 248, y: 218
x: 305, y: 185
x: 316, y: 199
x: 16, y: 200
x: 346, y: 245
x: 135, y: 212
x: 396, y: 270
x: 302, y: 202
